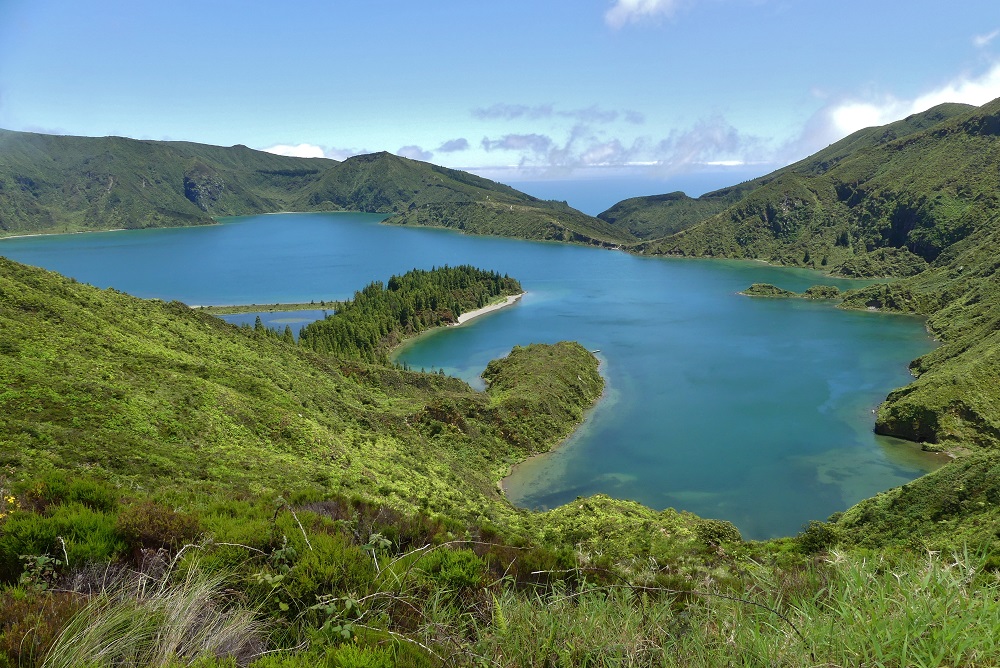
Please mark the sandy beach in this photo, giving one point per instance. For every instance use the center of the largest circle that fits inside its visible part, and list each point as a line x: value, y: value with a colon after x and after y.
x: 466, y: 317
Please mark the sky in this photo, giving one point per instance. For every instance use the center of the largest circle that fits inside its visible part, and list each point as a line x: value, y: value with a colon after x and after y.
x: 539, y: 91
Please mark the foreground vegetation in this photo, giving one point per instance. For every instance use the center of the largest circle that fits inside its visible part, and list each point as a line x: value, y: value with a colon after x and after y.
x: 319, y: 580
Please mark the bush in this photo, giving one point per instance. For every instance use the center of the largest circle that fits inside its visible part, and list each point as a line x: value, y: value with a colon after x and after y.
x: 29, y: 624
x: 58, y: 488
x: 717, y: 532
x: 454, y: 570
x: 817, y: 536
x: 151, y: 525
x: 86, y: 536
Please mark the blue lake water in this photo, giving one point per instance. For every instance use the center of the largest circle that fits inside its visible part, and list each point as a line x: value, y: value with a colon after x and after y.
x: 758, y: 411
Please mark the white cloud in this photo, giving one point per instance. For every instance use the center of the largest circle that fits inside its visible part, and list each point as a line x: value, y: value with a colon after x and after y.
x: 633, y: 11
x: 298, y: 151
x: 839, y: 119
x: 345, y: 153
x: 453, y: 145
x: 414, y: 152
x: 981, y: 41
x: 712, y: 142
x: 314, y: 151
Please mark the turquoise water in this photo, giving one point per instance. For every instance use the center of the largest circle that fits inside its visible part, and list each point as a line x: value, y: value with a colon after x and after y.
x: 753, y: 410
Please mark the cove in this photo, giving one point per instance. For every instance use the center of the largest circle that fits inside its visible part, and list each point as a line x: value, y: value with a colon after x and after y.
x: 757, y: 411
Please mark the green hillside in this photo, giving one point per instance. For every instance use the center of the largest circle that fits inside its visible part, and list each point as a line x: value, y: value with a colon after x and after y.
x: 53, y: 183
x: 57, y: 184
x: 885, y: 201
x: 159, y: 395
x: 658, y: 216
x: 419, y: 193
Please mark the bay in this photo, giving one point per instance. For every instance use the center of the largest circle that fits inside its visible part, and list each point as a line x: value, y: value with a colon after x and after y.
x: 758, y: 411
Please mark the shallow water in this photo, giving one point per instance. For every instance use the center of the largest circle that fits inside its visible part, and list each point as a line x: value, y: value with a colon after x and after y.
x: 758, y: 411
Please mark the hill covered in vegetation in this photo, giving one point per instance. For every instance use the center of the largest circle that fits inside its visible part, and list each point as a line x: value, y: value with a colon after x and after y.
x: 654, y: 217
x: 53, y: 184
x: 883, y: 202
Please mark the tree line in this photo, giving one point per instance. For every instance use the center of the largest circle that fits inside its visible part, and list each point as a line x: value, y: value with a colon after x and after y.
x: 381, y: 315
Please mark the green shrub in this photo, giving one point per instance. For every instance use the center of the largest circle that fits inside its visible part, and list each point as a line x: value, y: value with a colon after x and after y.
x: 72, y: 533
x: 717, y: 532
x: 817, y: 536
x: 59, y: 488
x: 151, y: 525
x: 29, y: 623
x: 454, y: 570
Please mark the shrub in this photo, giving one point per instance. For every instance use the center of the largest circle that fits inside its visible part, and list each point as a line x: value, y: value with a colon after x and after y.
x: 454, y: 570
x: 72, y: 533
x: 29, y: 623
x: 717, y: 532
x: 151, y: 525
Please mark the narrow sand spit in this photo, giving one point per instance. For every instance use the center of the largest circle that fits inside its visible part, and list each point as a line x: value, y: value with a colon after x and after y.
x: 466, y: 317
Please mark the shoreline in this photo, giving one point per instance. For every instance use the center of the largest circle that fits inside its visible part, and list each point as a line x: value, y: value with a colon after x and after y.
x: 233, y: 309
x: 399, y: 348
x: 587, y: 416
x: 470, y: 315
x: 52, y: 234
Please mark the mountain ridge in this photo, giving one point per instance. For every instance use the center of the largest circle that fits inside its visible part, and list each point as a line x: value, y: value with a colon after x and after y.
x: 54, y: 183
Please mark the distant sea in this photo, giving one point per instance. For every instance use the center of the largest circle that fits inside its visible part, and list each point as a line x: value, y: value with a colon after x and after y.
x: 596, y: 195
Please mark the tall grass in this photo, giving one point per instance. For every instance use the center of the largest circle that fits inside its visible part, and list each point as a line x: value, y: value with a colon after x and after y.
x: 935, y: 611
x: 142, y: 621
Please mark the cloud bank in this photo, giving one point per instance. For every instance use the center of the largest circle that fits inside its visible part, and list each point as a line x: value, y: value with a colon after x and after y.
x: 711, y: 142
x: 313, y: 151
x: 297, y: 151
x: 847, y: 115
x: 454, y: 145
x: 414, y: 152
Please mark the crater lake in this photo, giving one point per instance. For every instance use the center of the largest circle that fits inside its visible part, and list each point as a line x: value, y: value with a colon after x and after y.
x: 757, y: 411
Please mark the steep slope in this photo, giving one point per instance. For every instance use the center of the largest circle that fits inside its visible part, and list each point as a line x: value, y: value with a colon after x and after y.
x: 159, y: 396
x: 888, y: 208
x: 56, y: 184
x: 662, y: 215
x: 955, y: 400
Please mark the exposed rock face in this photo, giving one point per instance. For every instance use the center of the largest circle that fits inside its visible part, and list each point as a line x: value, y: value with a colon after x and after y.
x: 202, y: 186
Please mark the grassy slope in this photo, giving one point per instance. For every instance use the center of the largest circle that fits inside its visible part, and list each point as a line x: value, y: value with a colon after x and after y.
x: 418, y: 193
x: 157, y: 395
x: 61, y: 184
x: 55, y: 184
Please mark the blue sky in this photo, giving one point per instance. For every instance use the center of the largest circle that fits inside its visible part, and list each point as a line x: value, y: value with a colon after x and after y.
x: 514, y: 90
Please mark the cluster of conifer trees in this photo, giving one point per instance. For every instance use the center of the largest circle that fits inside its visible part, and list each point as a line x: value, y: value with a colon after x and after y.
x: 380, y: 316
